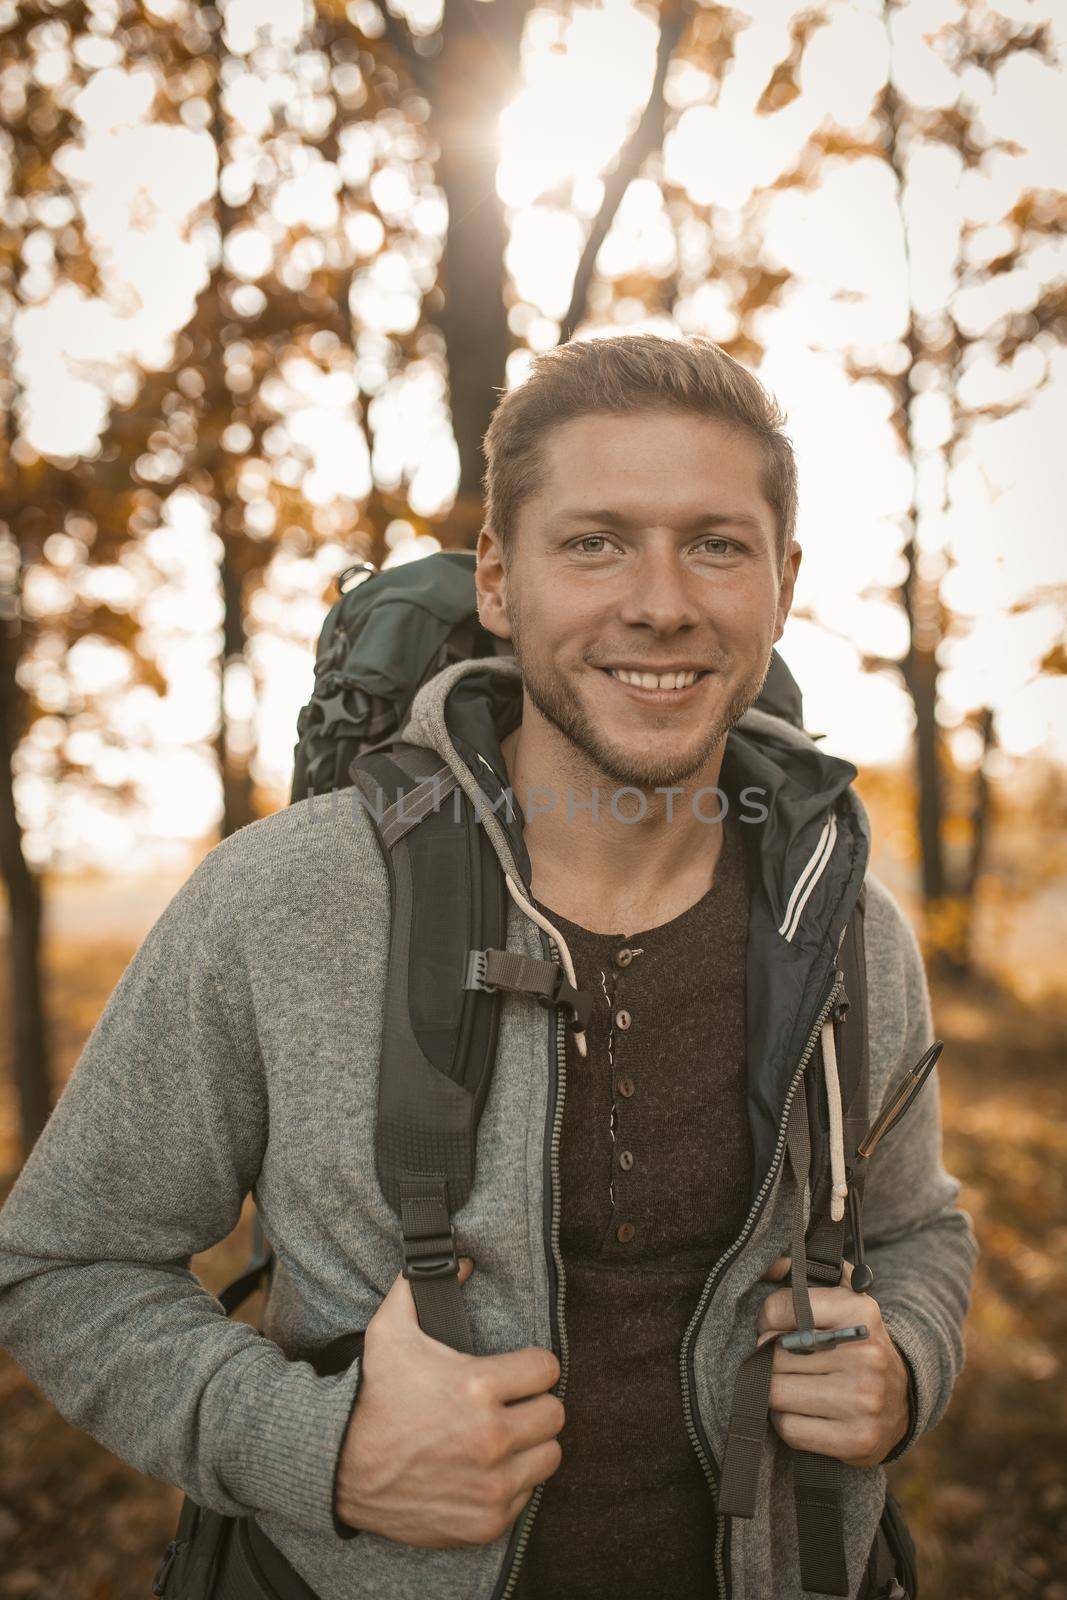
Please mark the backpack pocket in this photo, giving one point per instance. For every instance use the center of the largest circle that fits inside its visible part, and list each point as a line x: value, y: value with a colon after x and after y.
x: 892, y: 1567
x: 191, y: 1560
x: 898, y: 1537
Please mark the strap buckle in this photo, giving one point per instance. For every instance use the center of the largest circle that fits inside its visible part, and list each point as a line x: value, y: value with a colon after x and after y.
x: 545, y: 981
x: 476, y: 970
x: 579, y: 1002
x: 428, y: 1254
x: 444, y: 1265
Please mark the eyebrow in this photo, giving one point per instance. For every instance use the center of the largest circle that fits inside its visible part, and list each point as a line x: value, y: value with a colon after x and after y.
x: 615, y: 519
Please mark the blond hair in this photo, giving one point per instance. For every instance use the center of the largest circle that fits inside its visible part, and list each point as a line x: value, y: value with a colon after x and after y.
x: 631, y: 373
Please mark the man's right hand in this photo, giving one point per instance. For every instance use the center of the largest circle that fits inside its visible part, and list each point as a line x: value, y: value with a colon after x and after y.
x: 444, y: 1449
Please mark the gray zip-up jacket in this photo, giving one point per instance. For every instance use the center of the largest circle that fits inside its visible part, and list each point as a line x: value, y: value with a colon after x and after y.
x: 239, y: 1051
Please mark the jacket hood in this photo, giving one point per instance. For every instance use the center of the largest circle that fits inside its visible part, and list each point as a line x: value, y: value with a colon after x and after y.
x: 466, y: 710
x: 806, y: 834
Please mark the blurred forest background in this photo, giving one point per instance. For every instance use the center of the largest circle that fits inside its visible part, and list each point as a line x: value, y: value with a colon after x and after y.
x: 264, y: 268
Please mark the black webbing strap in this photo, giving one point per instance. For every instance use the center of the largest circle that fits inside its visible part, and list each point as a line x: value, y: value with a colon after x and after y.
x: 518, y: 973
x: 818, y: 1483
x: 818, y: 1491
x: 748, y: 1419
x: 798, y: 1140
x: 817, y: 1479
x: 437, y: 1043
x: 826, y: 1238
x: 430, y: 1264
x: 748, y: 1429
x: 825, y: 1249
x: 407, y: 811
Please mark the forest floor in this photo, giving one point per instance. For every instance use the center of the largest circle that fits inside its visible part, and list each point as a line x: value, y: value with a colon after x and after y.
x: 985, y: 1493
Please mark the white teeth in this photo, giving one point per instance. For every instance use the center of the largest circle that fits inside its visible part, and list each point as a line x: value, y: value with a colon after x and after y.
x: 652, y: 680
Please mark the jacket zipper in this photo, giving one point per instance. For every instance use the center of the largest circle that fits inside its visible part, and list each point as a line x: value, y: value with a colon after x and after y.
x: 694, y: 1425
x: 557, y: 1281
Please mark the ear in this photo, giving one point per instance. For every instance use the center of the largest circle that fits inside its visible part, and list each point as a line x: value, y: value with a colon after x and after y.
x: 491, y: 584
x: 786, y: 586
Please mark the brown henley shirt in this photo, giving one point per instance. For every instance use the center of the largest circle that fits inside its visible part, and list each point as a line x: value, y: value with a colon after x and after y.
x: 655, y: 1171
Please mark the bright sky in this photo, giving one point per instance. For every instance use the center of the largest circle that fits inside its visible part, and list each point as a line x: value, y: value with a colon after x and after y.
x: 145, y: 186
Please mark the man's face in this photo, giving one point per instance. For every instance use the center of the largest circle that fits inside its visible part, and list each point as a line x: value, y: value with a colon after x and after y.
x: 650, y: 549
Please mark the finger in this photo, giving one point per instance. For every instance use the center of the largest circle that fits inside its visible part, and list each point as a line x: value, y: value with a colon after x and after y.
x: 831, y: 1308
x: 777, y: 1270
x: 818, y: 1363
x: 400, y: 1302
x: 531, y: 1467
x: 520, y: 1500
x: 519, y: 1373
x: 814, y: 1396
x: 820, y: 1435
x: 534, y: 1421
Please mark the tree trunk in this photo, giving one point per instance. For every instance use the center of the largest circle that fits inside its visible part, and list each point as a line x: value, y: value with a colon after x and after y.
x: 29, y: 1034
x: 980, y: 819
x: 471, y: 78
x: 237, y: 806
x: 920, y: 600
x: 920, y: 677
x: 234, y: 774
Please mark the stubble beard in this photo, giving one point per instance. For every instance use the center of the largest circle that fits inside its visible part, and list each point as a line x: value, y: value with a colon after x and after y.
x: 550, y: 695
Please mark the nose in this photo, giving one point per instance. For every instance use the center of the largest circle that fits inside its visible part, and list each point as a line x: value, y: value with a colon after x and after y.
x: 660, y: 593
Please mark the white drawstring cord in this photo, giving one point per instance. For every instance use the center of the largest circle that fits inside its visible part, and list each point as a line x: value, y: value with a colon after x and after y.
x: 839, y: 1191
x: 564, y: 954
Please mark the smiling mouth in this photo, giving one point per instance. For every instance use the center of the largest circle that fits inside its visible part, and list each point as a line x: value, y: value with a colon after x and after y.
x: 657, y: 682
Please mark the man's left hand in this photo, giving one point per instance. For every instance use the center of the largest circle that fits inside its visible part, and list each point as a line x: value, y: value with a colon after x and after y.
x: 850, y: 1402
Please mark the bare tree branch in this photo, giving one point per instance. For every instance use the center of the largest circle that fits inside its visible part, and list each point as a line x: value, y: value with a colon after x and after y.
x: 646, y: 137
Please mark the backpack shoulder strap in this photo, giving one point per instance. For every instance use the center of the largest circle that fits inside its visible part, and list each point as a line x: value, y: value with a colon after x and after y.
x: 818, y: 1481
x: 438, y: 1037
x: 854, y: 1053
x: 826, y: 1238
x: 447, y: 965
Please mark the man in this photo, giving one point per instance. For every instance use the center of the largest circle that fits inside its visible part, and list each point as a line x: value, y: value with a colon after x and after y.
x: 693, y: 867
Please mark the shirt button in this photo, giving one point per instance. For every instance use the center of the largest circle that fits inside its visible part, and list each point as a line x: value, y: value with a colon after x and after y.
x: 623, y: 957
x: 623, y: 1020
x: 626, y: 1160
x: 626, y: 1087
x: 625, y: 1232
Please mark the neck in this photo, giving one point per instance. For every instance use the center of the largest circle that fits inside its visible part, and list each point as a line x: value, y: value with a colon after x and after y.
x: 608, y: 856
